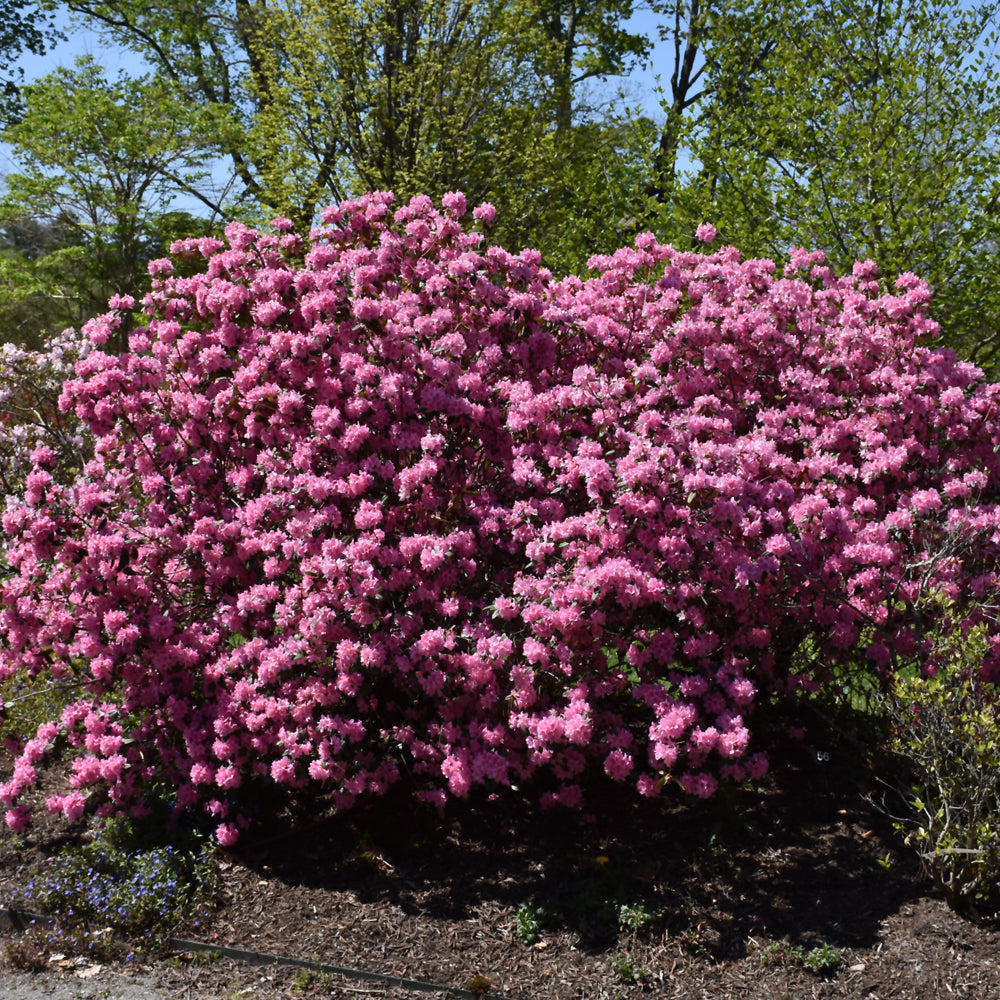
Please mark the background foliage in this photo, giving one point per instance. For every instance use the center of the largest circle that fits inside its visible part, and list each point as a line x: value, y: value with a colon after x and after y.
x: 865, y: 128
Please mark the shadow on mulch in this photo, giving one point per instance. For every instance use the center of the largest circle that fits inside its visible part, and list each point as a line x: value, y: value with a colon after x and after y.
x: 802, y: 858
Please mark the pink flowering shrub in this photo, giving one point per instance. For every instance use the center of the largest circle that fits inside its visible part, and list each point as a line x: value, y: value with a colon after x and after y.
x: 30, y: 386
x: 386, y: 500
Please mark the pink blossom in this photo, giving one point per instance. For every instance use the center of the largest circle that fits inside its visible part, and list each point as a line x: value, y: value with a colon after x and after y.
x: 457, y: 772
x: 647, y: 785
x: 283, y: 770
x: 618, y: 765
x: 925, y: 501
x: 741, y: 691
x: 228, y: 777
x: 706, y: 232
x: 113, y: 768
x: 701, y: 785
x: 71, y: 805
x: 485, y: 213
x: 704, y: 739
x: 18, y: 819
x: 454, y: 202
x: 733, y: 744
x: 227, y: 834
x: 675, y: 722
x: 664, y: 753
x: 202, y: 774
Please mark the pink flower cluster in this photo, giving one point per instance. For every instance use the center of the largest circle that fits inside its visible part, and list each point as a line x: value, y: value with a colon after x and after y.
x: 387, y: 500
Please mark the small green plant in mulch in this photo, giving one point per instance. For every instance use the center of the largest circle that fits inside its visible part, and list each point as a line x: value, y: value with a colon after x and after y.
x: 638, y: 918
x: 528, y: 923
x: 312, y: 980
x: 600, y: 903
x: 626, y: 970
x: 778, y: 953
x: 823, y: 960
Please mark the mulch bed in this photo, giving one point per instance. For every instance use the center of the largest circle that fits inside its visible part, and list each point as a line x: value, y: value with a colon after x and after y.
x: 728, y: 898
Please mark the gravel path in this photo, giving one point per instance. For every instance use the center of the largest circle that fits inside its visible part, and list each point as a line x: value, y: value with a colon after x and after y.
x: 223, y: 980
x: 97, y: 982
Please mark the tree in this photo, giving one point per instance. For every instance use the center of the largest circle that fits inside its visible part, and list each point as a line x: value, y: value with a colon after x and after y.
x: 23, y: 28
x: 29, y: 306
x: 101, y: 165
x: 327, y: 98
x: 580, y: 41
x: 414, y: 96
x: 718, y: 47
x: 867, y: 128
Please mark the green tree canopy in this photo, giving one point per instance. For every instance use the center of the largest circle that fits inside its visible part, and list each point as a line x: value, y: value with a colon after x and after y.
x: 329, y: 98
x: 102, y: 163
x: 865, y: 128
x: 24, y: 27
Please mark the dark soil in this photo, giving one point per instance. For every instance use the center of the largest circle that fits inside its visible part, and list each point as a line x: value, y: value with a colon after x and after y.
x: 730, y: 898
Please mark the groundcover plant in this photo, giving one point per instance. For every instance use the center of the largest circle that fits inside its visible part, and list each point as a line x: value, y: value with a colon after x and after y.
x: 388, y: 500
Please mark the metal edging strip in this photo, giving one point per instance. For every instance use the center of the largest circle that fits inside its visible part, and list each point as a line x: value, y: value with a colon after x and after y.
x: 21, y: 919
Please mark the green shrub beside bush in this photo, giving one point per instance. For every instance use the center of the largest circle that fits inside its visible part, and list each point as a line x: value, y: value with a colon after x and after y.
x: 945, y: 734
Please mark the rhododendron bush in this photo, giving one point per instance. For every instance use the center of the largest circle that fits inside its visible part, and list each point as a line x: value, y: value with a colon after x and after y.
x: 387, y: 501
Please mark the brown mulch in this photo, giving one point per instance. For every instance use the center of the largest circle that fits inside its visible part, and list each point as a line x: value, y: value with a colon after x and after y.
x: 730, y: 898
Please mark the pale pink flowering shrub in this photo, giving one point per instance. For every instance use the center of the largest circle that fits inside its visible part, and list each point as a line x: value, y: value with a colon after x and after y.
x: 33, y: 430
x: 388, y: 500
